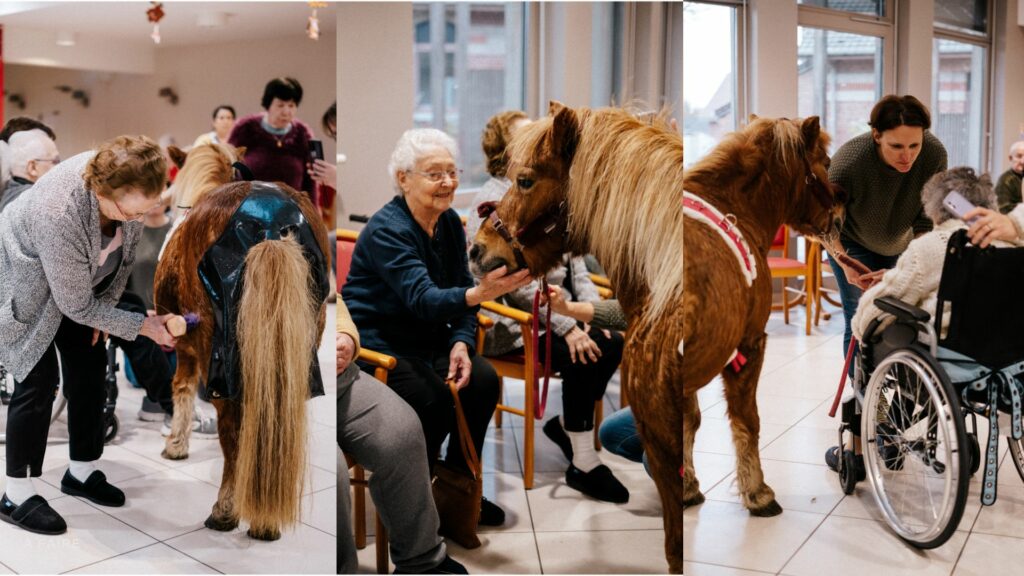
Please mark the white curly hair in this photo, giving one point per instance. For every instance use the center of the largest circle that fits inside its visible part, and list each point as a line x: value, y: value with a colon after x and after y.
x: 413, y: 145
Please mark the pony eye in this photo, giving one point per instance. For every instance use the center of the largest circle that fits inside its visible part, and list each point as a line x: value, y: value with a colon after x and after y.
x: 524, y: 183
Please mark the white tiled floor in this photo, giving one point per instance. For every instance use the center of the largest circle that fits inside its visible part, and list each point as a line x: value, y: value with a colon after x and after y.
x: 160, y: 529
x: 822, y: 531
x: 553, y: 528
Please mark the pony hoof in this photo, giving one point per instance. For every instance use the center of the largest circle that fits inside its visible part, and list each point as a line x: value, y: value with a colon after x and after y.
x: 695, y: 500
x: 220, y: 525
x: 268, y: 535
x: 174, y: 455
x: 770, y: 509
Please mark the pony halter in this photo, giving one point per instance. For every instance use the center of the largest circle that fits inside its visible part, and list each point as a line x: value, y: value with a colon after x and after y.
x: 530, y: 234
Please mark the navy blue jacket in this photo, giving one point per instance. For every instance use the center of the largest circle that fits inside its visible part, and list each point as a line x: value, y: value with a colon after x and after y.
x: 405, y: 291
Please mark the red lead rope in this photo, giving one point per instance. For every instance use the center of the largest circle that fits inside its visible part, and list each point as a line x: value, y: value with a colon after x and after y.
x: 540, y: 400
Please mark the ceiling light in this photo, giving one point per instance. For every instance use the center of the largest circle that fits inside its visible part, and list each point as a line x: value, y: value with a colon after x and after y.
x: 65, y: 38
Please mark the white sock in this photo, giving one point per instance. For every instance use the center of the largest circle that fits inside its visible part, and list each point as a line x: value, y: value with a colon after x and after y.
x: 19, y: 490
x: 584, y: 456
x: 82, y: 470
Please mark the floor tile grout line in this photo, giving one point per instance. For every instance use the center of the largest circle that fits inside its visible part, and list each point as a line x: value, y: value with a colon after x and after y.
x: 156, y: 543
x: 824, y: 519
x: 172, y: 547
x: 526, y: 495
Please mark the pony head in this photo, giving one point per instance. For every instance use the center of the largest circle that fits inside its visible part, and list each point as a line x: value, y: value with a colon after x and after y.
x: 528, y: 227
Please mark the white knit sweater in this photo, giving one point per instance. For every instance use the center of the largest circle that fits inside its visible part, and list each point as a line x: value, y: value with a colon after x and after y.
x: 915, y: 279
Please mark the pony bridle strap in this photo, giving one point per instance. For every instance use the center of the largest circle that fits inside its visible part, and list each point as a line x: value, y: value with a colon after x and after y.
x: 533, y: 232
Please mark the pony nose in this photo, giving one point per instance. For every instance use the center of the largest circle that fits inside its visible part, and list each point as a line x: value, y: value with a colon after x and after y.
x: 474, y: 252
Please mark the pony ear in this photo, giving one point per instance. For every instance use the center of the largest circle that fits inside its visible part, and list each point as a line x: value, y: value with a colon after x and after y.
x: 240, y: 152
x: 177, y: 155
x: 811, y: 129
x: 565, y: 131
x: 751, y: 118
x: 554, y: 107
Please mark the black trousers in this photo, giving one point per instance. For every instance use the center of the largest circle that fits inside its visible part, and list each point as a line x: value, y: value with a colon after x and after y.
x: 83, y: 367
x: 583, y: 384
x: 152, y: 366
x: 421, y: 384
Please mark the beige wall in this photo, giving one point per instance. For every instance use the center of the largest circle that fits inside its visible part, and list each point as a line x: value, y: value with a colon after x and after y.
x: 375, y: 100
x: 202, y: 76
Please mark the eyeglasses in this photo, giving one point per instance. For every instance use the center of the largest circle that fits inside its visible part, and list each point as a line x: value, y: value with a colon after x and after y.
x: 136, y: 217
x: 438, y: 177
x: 54, y: 161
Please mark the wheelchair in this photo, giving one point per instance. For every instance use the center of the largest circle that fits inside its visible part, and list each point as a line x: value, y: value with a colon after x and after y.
x: 916, y: 389
x: 111, y: 423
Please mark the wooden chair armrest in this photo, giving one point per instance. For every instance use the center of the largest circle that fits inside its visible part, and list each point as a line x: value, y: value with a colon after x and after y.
x: 484, y: 322
x: 602, y: 281
x: 345, y: 234
x: 378, y: 359
x: 605, y: 293
x: 508, y: 312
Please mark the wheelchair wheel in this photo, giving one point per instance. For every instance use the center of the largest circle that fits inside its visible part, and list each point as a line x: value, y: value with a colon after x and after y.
x: 111, y: 429
x: 1017, y: 455
x: 915, y: 448
x: 975, y: 452
x: 848, y: 472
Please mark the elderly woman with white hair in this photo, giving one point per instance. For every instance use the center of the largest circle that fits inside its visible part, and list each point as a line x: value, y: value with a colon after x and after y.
x: 32, y: 154
x: 411, y: 296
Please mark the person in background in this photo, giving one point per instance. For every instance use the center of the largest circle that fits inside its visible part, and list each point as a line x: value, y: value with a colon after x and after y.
x: 21, y: 123
x: 33, y: 154
x: 1008, y: 188
x: 277, y: 143
x: 223, y: 122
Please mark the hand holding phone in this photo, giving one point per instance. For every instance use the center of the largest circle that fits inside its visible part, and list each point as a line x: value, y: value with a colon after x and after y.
x: 958, y: 205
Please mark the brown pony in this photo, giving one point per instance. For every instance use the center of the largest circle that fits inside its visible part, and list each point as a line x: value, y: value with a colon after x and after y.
x: 263, y: 435
x: 604, y: 182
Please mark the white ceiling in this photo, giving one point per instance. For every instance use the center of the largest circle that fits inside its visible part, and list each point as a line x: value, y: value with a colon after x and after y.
x: 127, y: 21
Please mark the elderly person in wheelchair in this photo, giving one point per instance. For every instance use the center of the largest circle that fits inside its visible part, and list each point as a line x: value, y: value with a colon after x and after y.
x: 911, y: 394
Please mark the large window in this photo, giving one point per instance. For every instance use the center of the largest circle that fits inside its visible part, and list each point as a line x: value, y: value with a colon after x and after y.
x: 844, y: 63
x: 468, y: 66
x: 710, y: 70
x: 960, y: 80
x: 839, y: 80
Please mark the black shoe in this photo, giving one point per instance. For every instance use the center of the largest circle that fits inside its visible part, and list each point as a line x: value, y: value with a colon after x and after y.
x: 447, y: 566
x: 832, y: 456
x: 95, y: 488
x: 490, y: 513
x: 599, y: 483
x: 553, y: 430
x: 34, y: 515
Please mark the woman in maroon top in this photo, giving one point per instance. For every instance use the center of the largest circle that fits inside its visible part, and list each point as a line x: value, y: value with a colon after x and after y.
x: 277, y: 144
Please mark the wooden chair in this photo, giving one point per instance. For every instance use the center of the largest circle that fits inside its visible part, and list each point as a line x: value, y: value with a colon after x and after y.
x: 518, y: 366
x: 824, y: 267
x: 785, y: 268
x: 382, y: 364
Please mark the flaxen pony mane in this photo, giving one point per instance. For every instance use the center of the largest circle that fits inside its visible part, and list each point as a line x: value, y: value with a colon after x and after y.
x: 206, y: 167
x: 612, y: 196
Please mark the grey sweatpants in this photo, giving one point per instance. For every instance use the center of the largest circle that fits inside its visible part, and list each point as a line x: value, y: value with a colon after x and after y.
x: 383, y: 434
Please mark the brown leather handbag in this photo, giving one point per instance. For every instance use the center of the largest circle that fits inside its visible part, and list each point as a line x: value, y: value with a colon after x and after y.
x: 457, y: 493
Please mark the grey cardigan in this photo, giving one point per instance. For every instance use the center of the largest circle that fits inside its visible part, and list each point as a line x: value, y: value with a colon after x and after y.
x: 49, y: 252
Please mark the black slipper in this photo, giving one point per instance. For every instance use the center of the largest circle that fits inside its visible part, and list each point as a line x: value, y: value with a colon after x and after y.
x: 95, y: 488
x: 490, y: 513
x: 34, y: 515
x: 599, y: 483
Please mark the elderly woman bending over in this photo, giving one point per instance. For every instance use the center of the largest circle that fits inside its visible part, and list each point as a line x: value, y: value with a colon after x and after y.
x: 411, y: 295
x: 66, y: 250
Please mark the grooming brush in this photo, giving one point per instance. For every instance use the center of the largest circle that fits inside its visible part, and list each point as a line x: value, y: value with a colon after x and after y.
x: 178, y: 326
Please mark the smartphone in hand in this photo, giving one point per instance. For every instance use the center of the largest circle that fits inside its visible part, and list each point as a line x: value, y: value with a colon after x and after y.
x: 316, y: 150
x: 958, y: 205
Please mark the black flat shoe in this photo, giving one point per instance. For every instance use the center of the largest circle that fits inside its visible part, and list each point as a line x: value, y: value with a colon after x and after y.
x: 447, y: 566
x: 95, y: 489
x: 599, y: 483
x: 832, y: 456
x: 490, y: 513
x: 553, y: 430
x: 34, y: 515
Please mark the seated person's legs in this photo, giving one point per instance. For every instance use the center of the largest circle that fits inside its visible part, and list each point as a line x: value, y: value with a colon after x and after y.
x: 582, y: 385
x: 619, y: 435
x: 384, y: 435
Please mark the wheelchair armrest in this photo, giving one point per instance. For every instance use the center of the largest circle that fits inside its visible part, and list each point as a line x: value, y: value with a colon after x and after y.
x: 901, y: 309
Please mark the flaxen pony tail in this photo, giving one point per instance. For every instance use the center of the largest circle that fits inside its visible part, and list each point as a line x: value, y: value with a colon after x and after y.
x: 277, y: 331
